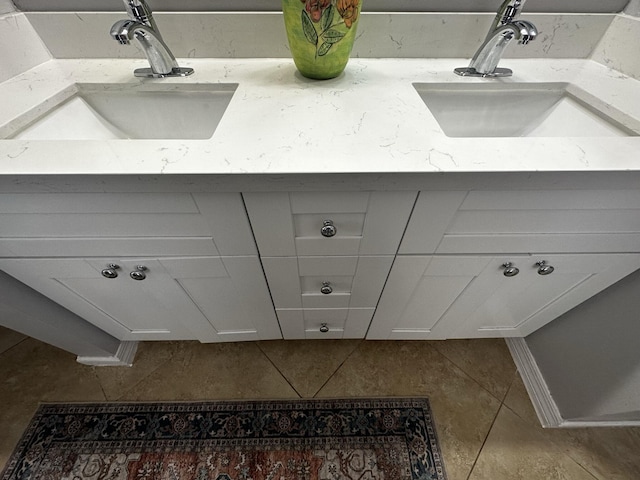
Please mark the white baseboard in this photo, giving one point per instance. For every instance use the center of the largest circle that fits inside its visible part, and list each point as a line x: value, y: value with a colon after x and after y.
x: 542, y: 399
x: 599, y: 423
x: 122, y: 358
x: 545, y: 407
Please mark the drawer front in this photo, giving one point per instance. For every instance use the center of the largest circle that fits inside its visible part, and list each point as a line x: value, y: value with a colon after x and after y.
x: 349, y: 282
x: 562, y: 221
x: 39, y: 224
x: 366, y: 223
x: 324, y: 323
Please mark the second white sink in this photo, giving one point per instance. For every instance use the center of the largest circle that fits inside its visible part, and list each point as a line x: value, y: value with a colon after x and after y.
x: 91, y: 111
x: 518, y: 110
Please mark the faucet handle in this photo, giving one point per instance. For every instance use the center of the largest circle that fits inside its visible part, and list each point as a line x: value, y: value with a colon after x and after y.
x: 140, y: 11
x: 508, y: 11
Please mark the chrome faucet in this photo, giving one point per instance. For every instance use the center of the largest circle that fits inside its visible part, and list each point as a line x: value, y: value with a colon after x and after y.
x: 143, y: 28
x: 505, y: 27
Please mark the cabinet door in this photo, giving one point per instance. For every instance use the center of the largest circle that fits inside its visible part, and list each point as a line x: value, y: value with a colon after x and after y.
x: 190, y: 298
x: 437, y: 297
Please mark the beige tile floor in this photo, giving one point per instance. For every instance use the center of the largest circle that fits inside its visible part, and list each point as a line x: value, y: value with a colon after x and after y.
x: 485, y: 421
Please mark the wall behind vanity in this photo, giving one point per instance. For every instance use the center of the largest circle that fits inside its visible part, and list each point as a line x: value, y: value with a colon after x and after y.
x: 589, y: 356
x: 6, y: 6
x: 224, y: 29
x: 565, y: 6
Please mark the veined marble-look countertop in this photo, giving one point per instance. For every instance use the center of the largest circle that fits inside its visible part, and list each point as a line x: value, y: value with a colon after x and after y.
x: 368, y: 120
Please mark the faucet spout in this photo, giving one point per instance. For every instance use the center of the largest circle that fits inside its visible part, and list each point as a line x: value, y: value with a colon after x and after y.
x: 486, y: 59
x: 160, y: 57
x: 504, y: 29
x: 142, y: 27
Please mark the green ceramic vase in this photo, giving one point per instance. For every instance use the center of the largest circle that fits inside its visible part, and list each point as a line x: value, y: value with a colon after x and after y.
x: 321, y: 34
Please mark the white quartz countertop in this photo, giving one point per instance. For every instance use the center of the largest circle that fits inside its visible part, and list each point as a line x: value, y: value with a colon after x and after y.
x: 368, y: 120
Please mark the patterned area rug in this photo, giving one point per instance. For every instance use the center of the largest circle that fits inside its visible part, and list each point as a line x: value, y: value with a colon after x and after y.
x: 363, y: 439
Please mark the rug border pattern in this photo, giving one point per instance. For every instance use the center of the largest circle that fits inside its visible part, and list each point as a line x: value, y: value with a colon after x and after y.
x: 239, y: 406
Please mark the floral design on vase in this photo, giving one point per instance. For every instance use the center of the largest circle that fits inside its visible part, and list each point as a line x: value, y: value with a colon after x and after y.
x: 321, y: 34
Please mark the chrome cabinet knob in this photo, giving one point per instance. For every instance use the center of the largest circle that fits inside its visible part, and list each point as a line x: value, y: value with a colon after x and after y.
x: 324, y: 328
x: 138, y: 273
x: 110, y: 271
x: 326, y: 288
x: 543, y: 268
x: 510, y: 270
x: 328, y: 229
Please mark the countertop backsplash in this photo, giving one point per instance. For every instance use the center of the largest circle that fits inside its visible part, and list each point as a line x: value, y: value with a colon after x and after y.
x: 633, y: 8
x: 557, y: 6
x: 6, y: 6
x: 20, y: 46
x: 262, y: 35
x: 618, y: 48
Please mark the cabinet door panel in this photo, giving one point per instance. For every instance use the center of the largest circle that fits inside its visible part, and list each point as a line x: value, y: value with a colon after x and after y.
x: 520, y: 307
x: 419, y: 292
x: 152, y: 309
x: 232, y: 294
x: 469, y: 297
x: 207, y: 299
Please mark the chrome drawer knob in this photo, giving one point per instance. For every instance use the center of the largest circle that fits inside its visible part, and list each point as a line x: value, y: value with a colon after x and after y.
x: 543, y: 268
x: 324, y: 328
x: 326, y: 288
x: 510, y: 270
x: 328, y: 229
x: 110, y: 271
x: 138, y: 273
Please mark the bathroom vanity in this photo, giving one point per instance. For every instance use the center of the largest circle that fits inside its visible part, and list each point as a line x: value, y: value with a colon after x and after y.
x: 337, y: 209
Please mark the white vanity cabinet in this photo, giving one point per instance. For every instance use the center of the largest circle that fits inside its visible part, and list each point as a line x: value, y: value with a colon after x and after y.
x: 327, y: 255
x: 200, y: 275
x: 449, y: 280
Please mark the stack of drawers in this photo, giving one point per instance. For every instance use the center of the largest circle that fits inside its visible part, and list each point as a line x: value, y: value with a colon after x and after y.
x: 327, y: 256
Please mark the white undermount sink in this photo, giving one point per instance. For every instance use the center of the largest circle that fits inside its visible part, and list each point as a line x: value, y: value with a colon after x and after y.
x: 522, y: 110
x: 95, y: 111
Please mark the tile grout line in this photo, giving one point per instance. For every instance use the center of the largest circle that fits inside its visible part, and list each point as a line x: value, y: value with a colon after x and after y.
x: 277, y: 369
x: 97, y: 377
x: 583, y: 467
x: 463, y: 370
x: 537, y: 425
x: 338, y: 368
x: 484, y: 442
x: 119, y: 397
x: 15, y: 345
x: 515, y: 377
